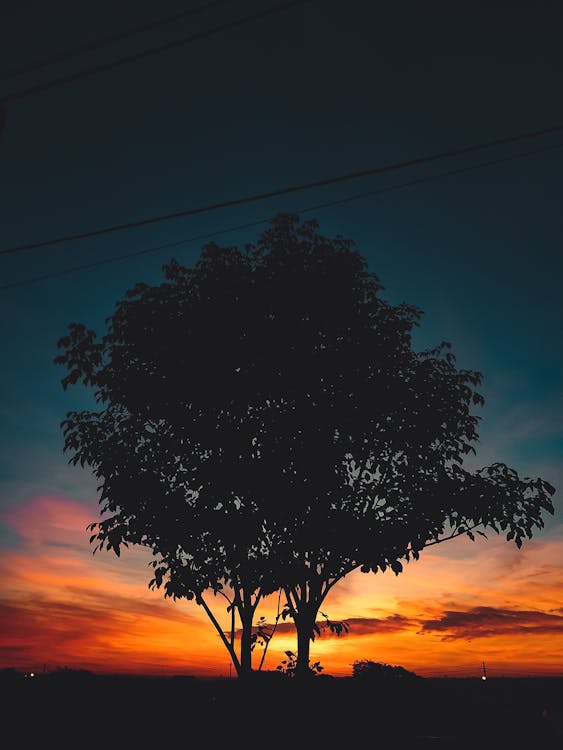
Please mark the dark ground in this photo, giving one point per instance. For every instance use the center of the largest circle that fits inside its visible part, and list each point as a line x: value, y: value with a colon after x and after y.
x: 69, y: 709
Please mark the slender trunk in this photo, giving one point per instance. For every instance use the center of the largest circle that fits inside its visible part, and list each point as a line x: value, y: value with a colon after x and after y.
x: 228, y: 645
x: 268, y: 641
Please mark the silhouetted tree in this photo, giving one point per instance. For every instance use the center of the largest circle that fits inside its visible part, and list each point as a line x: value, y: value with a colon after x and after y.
x: 267, y: 424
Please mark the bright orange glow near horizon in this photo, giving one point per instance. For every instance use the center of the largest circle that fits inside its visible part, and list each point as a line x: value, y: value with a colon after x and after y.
x: 460, y: 605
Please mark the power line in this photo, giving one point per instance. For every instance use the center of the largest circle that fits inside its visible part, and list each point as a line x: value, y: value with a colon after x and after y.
x: 99, y: 44
x: 125, y: 256
x: 259, y: 222
x: 46, y: 85
x: 284, y: 191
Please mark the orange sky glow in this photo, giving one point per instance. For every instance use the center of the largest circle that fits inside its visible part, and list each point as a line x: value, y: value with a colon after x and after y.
x: 460, y: 605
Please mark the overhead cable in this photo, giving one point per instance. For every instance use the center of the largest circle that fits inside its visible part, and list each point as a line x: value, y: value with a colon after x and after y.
x: 286, y: 190
x: 259, y: 222
x: 108, y: 40
x: 142, y: 54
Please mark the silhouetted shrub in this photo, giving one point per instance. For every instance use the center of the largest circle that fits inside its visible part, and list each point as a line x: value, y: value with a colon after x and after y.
x: 378, y: 671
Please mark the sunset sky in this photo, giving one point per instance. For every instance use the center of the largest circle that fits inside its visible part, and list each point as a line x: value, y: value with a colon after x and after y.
x: 311, y: 92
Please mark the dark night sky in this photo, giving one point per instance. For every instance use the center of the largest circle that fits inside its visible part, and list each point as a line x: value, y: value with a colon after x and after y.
x: 314, y: 91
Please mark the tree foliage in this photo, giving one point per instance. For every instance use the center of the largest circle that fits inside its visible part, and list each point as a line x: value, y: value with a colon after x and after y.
x: 265, y: 423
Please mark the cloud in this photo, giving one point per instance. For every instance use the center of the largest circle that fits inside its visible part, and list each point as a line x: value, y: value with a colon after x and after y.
x: 357, y: 626
x: 482, y: 622
x: 48, y: 520
x: 40, y: 468
x: 104, y: 610
x: 102, y: 631
x: 378, y: 626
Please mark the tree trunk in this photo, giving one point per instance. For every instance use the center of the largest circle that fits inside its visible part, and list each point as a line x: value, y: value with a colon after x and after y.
x: 246, y: 616
x: 304, y: 626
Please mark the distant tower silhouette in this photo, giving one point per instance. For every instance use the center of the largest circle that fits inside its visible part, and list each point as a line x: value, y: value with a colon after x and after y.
x: 484, y: 675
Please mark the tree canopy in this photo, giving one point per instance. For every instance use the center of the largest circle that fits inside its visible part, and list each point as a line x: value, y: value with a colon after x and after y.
x: 265, y: 423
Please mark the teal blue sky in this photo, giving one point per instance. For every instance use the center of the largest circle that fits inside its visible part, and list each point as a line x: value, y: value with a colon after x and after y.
x: 315, y: 91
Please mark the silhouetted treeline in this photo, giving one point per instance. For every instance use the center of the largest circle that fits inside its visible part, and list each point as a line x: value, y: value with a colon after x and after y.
x: 332, y: 711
